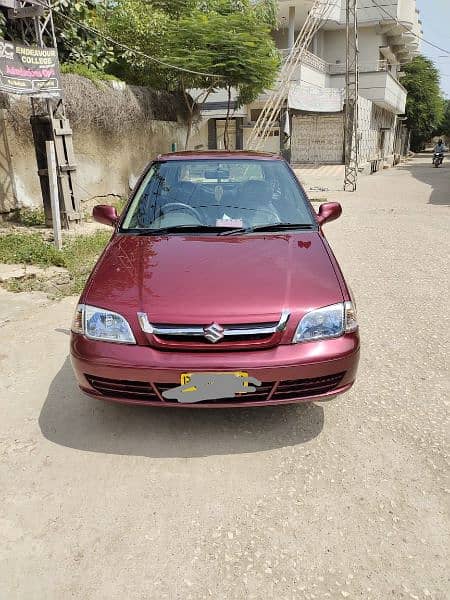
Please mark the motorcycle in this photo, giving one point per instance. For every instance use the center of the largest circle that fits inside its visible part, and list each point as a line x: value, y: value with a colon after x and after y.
x: 438, y: 159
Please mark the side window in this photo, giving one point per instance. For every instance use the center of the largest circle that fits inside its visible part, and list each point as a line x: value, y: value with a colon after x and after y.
x: 131, y: 217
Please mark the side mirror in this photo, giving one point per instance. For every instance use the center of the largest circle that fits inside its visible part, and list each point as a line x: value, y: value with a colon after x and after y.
x: 106, y: 214
x: 329, y: 212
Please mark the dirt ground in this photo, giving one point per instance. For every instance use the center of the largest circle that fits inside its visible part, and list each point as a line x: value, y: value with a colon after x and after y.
x: 343, y: 499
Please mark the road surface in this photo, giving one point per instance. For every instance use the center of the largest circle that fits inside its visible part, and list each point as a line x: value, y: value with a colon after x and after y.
x: 344, y: 499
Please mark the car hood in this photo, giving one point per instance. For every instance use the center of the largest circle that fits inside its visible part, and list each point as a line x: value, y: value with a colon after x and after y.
x: 201, y: 279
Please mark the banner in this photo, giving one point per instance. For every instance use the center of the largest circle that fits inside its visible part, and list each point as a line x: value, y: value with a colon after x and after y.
x: 316, y: 99
x: 29, y: 70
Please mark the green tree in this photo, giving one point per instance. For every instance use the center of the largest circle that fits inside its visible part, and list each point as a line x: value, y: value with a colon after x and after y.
x: 444, y: 128
x: 76, y: 44
x: 244, y: 59
x: 167, y: 33
x: 424, y: 105
x: 142, y: 26
x: 228, y: 40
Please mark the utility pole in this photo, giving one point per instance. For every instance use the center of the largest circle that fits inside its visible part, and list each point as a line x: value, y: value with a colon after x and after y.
x: 32, y: 23
x: 351, y: 139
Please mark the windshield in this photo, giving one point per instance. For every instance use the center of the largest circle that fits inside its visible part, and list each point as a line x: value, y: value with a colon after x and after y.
x: 217, y: 194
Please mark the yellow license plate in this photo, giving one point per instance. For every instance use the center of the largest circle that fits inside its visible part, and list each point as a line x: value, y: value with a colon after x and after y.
x: 186, y: 378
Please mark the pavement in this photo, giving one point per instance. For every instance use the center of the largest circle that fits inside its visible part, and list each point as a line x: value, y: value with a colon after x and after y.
x: 318, y: 180
x: 341, y: 499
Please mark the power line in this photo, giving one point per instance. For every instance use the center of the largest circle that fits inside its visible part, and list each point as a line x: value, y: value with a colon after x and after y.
x: 163, y: 63
x: 127, y: 48
x: 138, y: 52
x: 419, y: 37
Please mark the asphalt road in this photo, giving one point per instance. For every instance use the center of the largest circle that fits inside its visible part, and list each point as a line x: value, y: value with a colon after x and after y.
x: 344, y: 499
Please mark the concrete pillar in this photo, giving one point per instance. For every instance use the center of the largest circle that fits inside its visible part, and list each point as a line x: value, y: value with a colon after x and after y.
x: 291, y: 27
x: 212, y: 134
x: 315, y: 44
x: 8, y: 194
x: 239, y: 133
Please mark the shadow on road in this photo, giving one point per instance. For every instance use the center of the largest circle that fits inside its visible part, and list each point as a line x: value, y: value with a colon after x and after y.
x: 438, y: 179
x: 71, y: 419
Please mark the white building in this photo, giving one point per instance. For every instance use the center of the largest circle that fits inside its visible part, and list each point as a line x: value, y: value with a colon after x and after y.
x: 387, y: 40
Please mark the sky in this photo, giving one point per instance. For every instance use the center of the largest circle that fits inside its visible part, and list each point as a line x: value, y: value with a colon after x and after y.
x: 435, y: 17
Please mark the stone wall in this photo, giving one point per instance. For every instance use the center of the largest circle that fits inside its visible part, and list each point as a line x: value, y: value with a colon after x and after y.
x: 111, y: 149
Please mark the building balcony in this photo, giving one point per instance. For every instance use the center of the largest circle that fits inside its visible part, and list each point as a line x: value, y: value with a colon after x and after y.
x: 377, y: 82
x: 309, y: 60
x: 397, y: 21
x: 378, y: 85
x: 377, y: 79
x: 364, y: 67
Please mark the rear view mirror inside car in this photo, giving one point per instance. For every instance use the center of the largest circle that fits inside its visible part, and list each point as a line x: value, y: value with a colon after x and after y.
x: 217, y: 174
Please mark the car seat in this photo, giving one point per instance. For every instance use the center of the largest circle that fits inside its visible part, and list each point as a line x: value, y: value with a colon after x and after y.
x: 255, y: 201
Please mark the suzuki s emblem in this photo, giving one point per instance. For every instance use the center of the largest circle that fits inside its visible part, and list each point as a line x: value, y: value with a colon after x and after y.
x: 214, y: 332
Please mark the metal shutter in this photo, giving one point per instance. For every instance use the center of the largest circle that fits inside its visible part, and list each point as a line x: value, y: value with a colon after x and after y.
x: 318, y: 138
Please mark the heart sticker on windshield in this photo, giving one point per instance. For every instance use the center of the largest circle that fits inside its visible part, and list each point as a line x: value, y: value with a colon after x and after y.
x: 304, y: 244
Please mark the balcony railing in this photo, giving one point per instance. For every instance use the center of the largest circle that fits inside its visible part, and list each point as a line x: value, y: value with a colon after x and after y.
x: 315, y: 62
x: 311, y: 60
x: 364, y: 67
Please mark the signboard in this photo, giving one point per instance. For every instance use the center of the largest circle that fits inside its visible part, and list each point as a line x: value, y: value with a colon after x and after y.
x: 316, y: 99
x: 29, y: 70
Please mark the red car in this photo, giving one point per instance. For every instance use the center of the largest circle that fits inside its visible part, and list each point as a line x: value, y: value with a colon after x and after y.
x: 217, y: 289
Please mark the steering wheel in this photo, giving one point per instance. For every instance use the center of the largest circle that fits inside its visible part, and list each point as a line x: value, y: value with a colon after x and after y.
x: 173, y: 206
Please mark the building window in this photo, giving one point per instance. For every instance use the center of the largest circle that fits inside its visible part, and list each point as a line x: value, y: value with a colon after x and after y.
x: 254, y: 114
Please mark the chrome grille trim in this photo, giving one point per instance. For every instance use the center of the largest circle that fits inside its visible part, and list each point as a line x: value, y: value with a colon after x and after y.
x: 199, y: 331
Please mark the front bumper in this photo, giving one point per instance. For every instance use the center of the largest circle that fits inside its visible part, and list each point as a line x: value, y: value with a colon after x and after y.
x: 288, y: 373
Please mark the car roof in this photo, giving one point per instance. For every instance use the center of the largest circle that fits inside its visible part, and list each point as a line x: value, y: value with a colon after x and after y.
x: 218, y: 154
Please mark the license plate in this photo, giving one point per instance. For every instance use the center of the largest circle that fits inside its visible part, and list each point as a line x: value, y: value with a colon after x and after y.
x: 197, y: 387
x: 186, y: 377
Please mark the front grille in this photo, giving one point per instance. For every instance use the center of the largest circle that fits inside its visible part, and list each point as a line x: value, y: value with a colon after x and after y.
x: 242, y: 332
x: 214, y: 336
x: 228, y: 326
x: 282, y: 390
x: 196, y: 340
x: 300, y: 388
x: 129, y: 390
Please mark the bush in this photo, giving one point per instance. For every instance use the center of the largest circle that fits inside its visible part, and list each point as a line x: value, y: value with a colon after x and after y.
x: 78, y: 256
x: 29, y: 249
x: 31, y: 217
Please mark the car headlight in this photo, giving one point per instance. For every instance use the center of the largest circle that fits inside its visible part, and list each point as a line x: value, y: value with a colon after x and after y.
x: 101, y: 324
x: 327, y: 322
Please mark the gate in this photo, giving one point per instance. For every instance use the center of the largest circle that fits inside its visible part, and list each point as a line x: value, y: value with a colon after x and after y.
x: 318, y: 138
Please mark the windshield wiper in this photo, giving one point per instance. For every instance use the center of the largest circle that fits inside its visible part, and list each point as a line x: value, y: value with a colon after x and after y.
x: 175, y: 228
x: 270, y: 227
